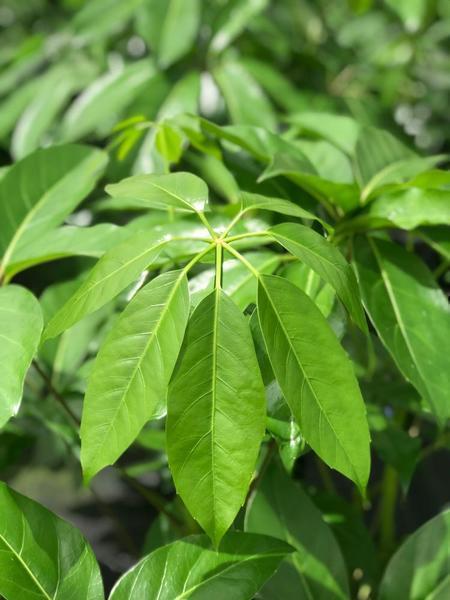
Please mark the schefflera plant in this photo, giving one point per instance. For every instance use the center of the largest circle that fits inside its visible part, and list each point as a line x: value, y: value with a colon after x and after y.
x: 199, y: 365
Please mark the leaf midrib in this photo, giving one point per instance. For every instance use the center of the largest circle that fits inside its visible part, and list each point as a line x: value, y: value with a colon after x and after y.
x: 36, y: 207
x: 26, y: 567
x: 398, y: 316
x: 151, y: 338
x: 187, y: 593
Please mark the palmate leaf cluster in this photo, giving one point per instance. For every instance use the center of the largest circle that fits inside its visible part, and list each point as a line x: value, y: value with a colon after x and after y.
x: 226, y: 245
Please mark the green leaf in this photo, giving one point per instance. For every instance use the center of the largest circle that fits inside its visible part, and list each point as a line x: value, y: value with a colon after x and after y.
x: 37, y: 193
x: 326, y: 260
x: 116, y: 90
x: 128, y: 383
x: 419, y: 568
x: 413, y: 13
x: 340, y: 130
x: 251, y: 201
x: 20, y: 330
x: 280, y: 508
x: 183, y: 97
x: 54, y: 92
x: 411, y: 208
x: 308, y: 281
x: 191, y: 568
x: 176, y: 31
x: 238, y: 282
x: 182, y: 191
x: 316, y: 377
x: 245, y: 100
x: 411, y: 316
x: 117, y: 269
x: 216, y: 414
x: 67, y: 241
x: 438, y: 238
x: 381, y: 159
x: 233, y: 20
x: 100, y: 18
x: 42, y: 556
x: 343, y: 195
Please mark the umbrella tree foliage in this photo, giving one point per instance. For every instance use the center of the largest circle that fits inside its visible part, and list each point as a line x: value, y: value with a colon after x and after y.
x: 249, y: 207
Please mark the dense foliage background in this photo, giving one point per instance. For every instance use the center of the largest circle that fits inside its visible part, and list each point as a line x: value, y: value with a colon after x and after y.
x: 339, y: 108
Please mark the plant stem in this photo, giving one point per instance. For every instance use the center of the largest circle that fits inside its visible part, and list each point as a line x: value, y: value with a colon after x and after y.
x: 197, y: 257
x: 232, y: 223
x: 389, y: 492
x: 219, y: 266
x: 242, y: 236
x: 205, y: 222
x: 243, y: 260
x: 59, y: 397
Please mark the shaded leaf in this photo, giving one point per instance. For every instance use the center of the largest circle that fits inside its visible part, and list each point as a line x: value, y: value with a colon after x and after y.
x: 316, y: 377
x: 280, y: 508
x: 411, y: 316
x: 20, y: 330
x: 326, y: 260
x: 419, y: 568
x: 42, y: 556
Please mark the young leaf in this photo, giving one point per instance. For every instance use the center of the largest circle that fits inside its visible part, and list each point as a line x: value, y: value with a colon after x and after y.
x: 326, y: 260
x: 420, y: 567
x: 119, y: 267
x: 191, y: 568
x: 216, y: 414
x: 280, y: 508
x: 20, y: 330
x: 182, y: 191
x: 37, y: 193
x: 128, y: 383
x: 42, y: 556
x: 316, y: 377
x: 411, y: 316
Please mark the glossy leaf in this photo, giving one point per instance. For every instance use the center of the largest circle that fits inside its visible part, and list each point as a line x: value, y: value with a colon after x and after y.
x: 128, y: 383
x: 281, y: 508
x: 216, y: 414
x: 411, y: 208
x: 182, y: 191
x: 438, y: 238
x: 316, y: 377
x: 20, y: 330
x: 411, y: 316
x: 67, y: 241
x: 42, y: 556
x: 419, y: 568
x: 191, y: 568
x: 117, y: 269
x: 251, y: 201
x: 37, y: 193
x: 326, y: 260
